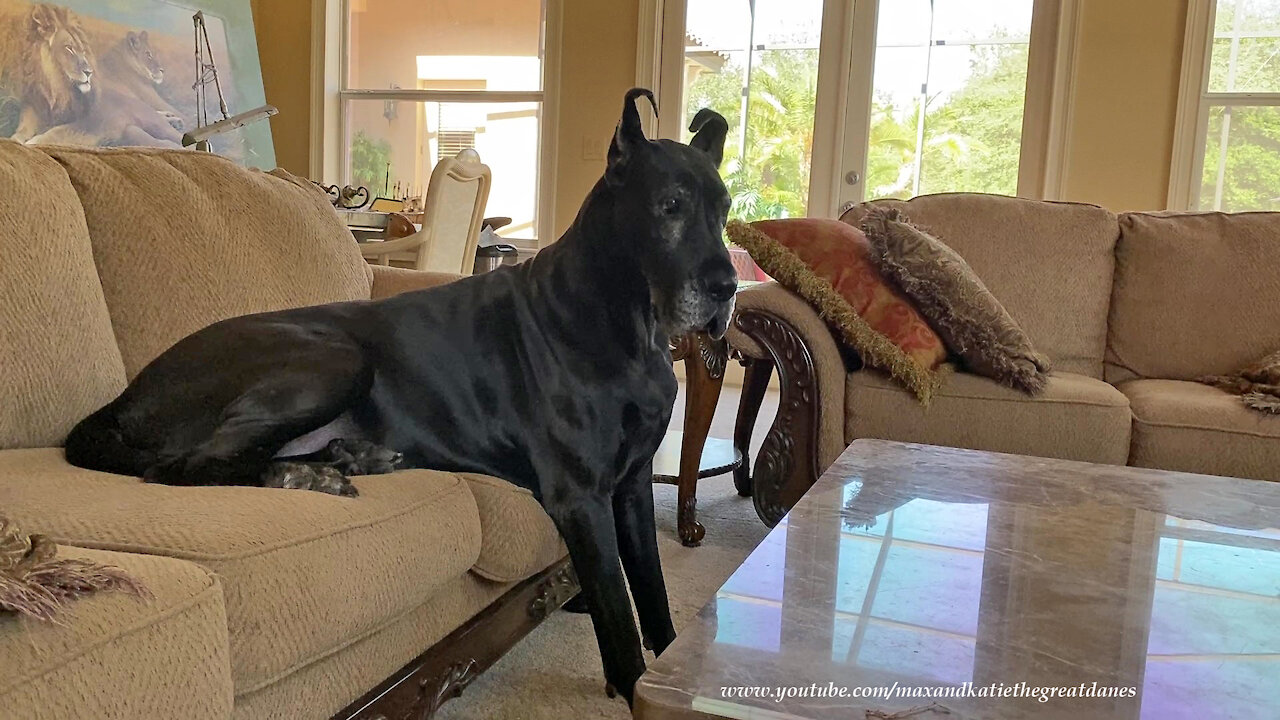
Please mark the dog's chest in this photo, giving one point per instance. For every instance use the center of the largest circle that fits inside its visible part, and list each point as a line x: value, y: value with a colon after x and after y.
x: 616, y: 425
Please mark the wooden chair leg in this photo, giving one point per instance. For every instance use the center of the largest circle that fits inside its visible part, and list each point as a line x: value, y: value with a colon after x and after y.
x: 704, y: 376
x: 755, y: 382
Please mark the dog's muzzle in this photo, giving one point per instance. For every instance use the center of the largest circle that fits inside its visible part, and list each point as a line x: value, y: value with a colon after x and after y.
x: 720, y: 317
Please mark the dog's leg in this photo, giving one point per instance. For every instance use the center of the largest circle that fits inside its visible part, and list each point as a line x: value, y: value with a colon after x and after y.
x: 280, y: 407
x: 588, y: 530
x: 638, y: 548
x: 350, y: 457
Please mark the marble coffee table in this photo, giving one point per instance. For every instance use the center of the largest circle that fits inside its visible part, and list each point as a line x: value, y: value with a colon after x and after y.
x: 923, y: 582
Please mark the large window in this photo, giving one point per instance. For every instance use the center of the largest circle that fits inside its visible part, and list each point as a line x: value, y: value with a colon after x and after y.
x: 1235, y: 161
x: 947, y: 97
x: 936, y: 92
x: 425, y: 80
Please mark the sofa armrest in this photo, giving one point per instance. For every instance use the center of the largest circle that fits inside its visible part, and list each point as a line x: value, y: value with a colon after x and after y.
x: 388, y: 281
x: 773, y: 328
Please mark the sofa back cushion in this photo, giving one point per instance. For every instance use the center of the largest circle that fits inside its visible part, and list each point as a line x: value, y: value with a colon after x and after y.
x: 1195, y: 294
x: 184, y: 239
x: 58, y: 356
x: 1050, y: 264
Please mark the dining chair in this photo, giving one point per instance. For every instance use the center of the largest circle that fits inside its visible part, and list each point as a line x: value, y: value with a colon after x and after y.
x: 451, y: 220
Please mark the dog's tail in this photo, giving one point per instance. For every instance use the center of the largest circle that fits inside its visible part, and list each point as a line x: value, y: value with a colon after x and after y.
x: 97, y: 443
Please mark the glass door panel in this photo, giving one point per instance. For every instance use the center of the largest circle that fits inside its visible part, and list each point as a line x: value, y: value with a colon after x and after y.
x: 756, y: 63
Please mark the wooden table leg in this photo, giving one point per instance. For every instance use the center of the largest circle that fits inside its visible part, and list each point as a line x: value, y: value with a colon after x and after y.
x: 704, y: 376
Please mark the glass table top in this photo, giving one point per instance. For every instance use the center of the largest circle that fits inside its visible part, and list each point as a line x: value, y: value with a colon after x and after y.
x: 937, y: 580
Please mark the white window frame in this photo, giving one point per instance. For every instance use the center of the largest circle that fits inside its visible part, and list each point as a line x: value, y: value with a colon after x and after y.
x: 330, y: 96
x: 848, y: 41
x: 1191, y: 126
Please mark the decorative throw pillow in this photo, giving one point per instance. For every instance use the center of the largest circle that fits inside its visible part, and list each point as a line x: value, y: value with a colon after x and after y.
x: 827, y: 263
x: 960, y: 308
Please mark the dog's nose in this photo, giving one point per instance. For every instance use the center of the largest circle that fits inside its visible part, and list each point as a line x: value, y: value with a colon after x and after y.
x: 722, y: 287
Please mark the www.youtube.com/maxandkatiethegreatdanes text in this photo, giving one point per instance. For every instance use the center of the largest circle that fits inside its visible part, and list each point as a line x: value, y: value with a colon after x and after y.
x: 1042, y: 693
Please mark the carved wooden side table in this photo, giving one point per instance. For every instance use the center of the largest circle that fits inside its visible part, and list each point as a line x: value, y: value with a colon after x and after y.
x: 704, y: 363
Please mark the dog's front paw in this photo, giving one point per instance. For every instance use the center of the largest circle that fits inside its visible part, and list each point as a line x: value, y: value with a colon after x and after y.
x: 301, y: 476
x: 373, y: 459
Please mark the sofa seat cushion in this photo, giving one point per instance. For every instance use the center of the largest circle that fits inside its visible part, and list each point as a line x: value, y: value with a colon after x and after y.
x: 1075, y: 418
x: 114, y: 655
x: 58, y: 354
x: 302, y: 572
x: 517, y: 537
x: 333, y: 682
x: 1191, y: 427
x: 185, y: 239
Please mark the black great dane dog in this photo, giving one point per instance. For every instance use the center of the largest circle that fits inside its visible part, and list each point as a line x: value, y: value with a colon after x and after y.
x: 554, y: 374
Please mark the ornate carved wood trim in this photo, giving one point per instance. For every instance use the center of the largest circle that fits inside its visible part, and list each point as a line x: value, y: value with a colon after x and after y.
x: 787, y: 465
x: 417, y: 690
x: 713, y: 353
x: 554, y: 592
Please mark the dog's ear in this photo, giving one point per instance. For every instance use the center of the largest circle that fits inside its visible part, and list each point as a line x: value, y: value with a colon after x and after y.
x: 709, y: 128
x: 629, y: 137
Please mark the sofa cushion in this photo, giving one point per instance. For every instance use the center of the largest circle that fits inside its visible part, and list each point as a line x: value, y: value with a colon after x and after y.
x: 1191, y: 427
x: 1195, y: 294
x: 329, y: 684
x: 517, y: 538
x: 114, y: 655
x: 1049, y: 264
x: 302, y: 572
x: 184, y: 239
x: 59, y: 356
x: 1075, y: 418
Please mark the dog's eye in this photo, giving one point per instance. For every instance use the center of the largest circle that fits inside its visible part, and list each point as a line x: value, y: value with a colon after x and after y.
x: 671, y: 206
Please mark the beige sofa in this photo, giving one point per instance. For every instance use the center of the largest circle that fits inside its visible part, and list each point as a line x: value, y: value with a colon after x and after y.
x: 267, y: 603
x: 1130, y: 308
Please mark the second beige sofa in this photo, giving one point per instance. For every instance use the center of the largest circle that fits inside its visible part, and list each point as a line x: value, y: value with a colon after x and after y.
x: 1130, y: 308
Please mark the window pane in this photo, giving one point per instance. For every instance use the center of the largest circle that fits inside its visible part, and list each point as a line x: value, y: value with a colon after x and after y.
x: 770, y: 177
x: 1242, y: 160
x: 1245, y: 65
x: 445, y: 44
x: 1253, y: 16
x: 392, y: 147
x: 971, y: 82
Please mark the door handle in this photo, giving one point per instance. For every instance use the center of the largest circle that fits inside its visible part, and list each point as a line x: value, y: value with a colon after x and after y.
x: 852, y: 177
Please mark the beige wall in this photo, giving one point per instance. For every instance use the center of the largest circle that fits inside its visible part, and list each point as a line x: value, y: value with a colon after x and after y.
x: 284, y: 46
x: 1129, y: 62
x: 597, y: 67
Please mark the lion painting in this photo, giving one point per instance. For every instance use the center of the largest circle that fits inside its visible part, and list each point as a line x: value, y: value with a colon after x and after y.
x: 58, y: 67
x: 132, y: 67
x: 64, y: 103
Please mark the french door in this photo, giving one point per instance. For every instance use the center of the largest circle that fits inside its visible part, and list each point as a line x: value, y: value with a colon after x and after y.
x: 831, y: 102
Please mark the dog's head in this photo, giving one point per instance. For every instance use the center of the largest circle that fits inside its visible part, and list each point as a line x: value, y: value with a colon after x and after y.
x: 673, y: 204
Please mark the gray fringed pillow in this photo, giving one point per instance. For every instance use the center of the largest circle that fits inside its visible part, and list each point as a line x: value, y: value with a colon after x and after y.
x: 949, y: 294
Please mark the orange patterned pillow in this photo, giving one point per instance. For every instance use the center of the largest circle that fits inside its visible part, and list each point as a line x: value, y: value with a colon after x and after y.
x: 827, y: 262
